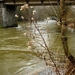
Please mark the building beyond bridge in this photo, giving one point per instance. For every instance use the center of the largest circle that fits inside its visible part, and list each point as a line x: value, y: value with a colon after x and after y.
x: 9, y: 8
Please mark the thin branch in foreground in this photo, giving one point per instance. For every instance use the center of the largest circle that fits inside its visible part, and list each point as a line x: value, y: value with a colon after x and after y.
x: 57, y: 71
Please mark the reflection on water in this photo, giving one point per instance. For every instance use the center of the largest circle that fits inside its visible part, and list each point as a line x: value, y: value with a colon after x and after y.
x: 17, y: 59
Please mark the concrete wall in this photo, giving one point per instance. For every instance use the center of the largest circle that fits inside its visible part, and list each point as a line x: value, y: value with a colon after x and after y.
x: 8, y: 16
x: 0, y: 14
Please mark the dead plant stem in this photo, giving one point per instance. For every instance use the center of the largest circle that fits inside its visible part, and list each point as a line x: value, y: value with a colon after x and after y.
x: 57, y: 71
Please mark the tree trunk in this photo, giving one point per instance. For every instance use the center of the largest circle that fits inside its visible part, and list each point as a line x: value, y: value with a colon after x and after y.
x: 63, y: 31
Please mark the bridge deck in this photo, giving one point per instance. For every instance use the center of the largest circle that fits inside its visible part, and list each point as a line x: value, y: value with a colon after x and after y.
x: 36, y: 2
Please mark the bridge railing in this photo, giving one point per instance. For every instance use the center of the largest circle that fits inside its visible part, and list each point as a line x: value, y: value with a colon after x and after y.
x: 30, y: 2
x: 36, y: 2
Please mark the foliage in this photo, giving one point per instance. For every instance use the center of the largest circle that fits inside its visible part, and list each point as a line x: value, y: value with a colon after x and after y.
x: 42, y: 12
x: 45, y: 11
x: 26, y: 14
x: 1, y: 26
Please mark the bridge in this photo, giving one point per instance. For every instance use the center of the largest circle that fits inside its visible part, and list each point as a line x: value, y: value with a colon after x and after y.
x: 36, y: 2
x: 9, y: 8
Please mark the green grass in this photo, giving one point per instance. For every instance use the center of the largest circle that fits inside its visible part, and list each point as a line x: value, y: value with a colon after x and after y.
x: 1, y: 26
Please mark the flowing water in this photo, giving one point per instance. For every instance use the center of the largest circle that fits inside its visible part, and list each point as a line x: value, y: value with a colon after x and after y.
x: 15, y: 56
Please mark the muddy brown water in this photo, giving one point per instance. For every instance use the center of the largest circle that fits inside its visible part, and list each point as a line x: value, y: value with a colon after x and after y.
x: 17, y: 59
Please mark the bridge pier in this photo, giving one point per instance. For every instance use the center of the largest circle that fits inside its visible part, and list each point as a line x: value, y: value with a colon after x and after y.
x: 8, y: 14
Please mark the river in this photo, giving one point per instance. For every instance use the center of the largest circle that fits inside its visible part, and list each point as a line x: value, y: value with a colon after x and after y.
x: 15, y: 56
